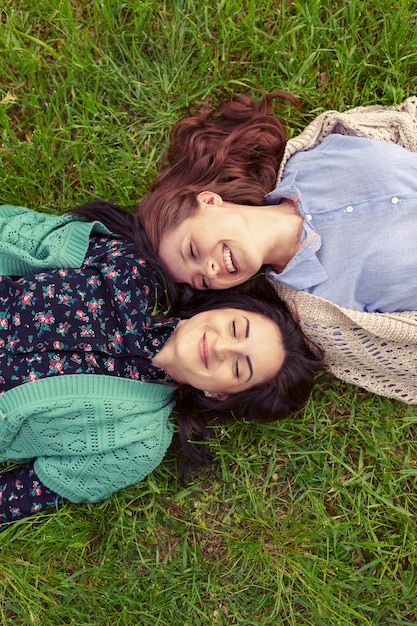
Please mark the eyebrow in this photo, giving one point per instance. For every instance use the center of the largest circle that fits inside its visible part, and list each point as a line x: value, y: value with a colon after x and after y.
x: 247, y: 326
x: 248, y: 357
x: 250, y: 368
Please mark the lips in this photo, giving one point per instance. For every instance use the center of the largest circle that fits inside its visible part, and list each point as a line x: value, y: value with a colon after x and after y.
x: 228, y: 260
x: 203, y: 350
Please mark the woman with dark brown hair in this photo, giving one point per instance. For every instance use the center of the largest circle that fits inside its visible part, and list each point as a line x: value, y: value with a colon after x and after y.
x: 92, y: 364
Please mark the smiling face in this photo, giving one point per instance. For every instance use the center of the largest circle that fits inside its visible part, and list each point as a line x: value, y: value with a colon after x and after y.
x: 212, y: 249
x: 225, y: 351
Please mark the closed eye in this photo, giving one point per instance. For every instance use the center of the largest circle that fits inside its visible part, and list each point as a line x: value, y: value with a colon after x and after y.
x: 234, y: 329
x: 237, y: 369
x: 192, y: 253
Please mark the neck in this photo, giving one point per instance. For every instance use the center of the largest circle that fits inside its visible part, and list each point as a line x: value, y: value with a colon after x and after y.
x: 279, y: 230
x: 164, y: 359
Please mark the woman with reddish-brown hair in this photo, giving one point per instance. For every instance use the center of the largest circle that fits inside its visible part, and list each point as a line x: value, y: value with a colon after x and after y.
x: 330, y: 216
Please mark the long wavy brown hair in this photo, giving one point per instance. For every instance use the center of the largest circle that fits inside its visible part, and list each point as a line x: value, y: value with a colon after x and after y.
x: 234, y: 150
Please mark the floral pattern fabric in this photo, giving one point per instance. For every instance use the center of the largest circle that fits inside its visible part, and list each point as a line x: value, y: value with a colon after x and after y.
x: 94, y: 319
x: 99, y: 319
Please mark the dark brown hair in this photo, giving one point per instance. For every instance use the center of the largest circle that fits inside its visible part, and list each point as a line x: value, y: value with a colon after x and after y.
x: 288, y: 389
x: 286, y: 392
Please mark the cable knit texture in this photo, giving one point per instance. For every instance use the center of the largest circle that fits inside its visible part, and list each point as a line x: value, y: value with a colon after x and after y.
x: 376, y: 351
x: 34, y: 242
x: 91, y: 434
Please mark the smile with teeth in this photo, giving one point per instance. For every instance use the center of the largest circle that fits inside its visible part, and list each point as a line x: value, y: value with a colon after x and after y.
x: 228, y: 260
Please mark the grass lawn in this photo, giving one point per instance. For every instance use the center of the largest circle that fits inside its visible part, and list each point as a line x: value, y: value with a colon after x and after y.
x: 310, y: 521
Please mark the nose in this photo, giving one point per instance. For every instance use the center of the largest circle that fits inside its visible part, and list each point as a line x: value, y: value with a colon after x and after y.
x: 224, y: 348
x: 211, y: 268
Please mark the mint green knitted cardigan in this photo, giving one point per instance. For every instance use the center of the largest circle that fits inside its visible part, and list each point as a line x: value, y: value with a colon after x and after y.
x: 31, y: 242
x: 91, y: 435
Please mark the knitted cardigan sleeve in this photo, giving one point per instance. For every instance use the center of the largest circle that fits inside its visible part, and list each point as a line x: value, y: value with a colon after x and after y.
x: 90, y: 434
x: 396, y: 124
x: 375, y: 351
x: 32, y: 242
x: 95, y: 477
x: 57, y: 420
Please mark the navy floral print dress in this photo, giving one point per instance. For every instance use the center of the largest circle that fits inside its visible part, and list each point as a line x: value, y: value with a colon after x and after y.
x: 99, y: 319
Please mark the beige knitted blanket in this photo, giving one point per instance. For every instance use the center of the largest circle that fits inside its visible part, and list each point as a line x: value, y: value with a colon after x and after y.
x: 376, y: 351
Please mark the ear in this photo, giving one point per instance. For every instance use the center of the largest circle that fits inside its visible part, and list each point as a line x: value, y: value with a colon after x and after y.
x: 220, y: 396
x: 210, y: 197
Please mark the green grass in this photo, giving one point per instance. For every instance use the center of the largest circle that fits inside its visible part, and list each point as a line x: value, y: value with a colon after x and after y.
x: 311, y: 521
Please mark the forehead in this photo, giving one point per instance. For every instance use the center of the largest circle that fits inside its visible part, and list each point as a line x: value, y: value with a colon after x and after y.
x: 171, y: 252
x: 173, y: 237
x: 188, y: 224
x: 267, y: 345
